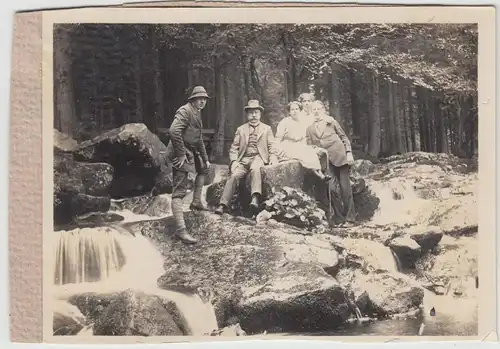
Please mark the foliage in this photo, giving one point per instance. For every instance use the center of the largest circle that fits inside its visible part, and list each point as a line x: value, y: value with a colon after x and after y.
x: 294, y: 207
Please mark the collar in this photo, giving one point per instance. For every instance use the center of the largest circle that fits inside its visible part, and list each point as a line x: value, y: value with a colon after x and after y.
x: 193, y: 109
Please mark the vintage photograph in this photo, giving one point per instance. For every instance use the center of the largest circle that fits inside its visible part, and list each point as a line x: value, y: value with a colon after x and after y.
x: 264, y: 179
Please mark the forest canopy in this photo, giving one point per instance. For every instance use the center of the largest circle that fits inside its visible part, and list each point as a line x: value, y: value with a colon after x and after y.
x: 394, y: 87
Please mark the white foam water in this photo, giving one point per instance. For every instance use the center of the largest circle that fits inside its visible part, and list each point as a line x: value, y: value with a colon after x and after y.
x: 112, y: 259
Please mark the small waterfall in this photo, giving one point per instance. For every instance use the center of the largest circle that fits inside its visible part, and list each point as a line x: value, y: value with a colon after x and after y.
x: 87, y: 255
x: 87, y: 331
x: 399, y: 203
x: 111, y: 259
x: 397, y: 261
x: 359, y: 316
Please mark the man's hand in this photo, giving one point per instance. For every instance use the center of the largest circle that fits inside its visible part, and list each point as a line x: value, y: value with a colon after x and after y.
x: 233, y: 166
x: 350, y: 159
x: 207, y: 164
x: 273, y: 160
x: 178, y: 162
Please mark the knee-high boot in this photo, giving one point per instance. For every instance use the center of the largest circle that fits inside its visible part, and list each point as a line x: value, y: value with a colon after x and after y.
x: 180, y: 225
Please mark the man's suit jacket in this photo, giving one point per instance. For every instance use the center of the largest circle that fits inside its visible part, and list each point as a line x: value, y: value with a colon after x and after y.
x: 265, y: 142
x: 186, y: 137
x: 329, y: 135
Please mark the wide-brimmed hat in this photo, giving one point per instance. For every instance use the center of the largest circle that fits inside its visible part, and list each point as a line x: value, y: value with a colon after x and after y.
x: 253, y: 104
x: 198, y: 91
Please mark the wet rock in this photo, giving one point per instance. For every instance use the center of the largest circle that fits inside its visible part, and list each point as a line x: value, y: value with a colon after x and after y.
x: 97, y: 219
x: 155, y: 206
x: 427, y: 237
x: 363, y: 167
x: 137, y: 156
x: 66, y: 319
x: 454, y: 260
x: 381, y: 294
x: 96, y: 177
x: 300, y: 297
x: 63, y: 142
x: 407, y: 250
x: 78, y: 188
x: 230, y: 331
x: 82, y: 204
x: 233, y: 253
x: 91, y: 305
x: 132, y: 313
x: 65, y: 326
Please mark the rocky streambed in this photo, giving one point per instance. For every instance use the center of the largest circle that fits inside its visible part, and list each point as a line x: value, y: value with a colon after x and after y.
x: 417, y: 240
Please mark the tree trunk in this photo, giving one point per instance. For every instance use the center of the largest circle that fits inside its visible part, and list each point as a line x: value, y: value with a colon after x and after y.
x: 422, y: 120
x: 219, y: 93
x: 397, y: 118
x: 374, y: 143
x: 335, y: 93
x: 64, y: 110
x: 410, y: 119
x: 158, y: 111
x: 404, y: 113
x: 390, y: 120
x: 354, y: 104
x: 139, y: 110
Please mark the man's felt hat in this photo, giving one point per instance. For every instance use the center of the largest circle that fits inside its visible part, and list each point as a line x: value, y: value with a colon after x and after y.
x: 198, y: 91
x: 253, y: 104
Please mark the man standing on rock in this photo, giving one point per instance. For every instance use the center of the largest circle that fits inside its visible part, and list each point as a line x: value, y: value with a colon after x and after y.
x: 326, y: 133
x: 186, y: 151
x: 252, y: 148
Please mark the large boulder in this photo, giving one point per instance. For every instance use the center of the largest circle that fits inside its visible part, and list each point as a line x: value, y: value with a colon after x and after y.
x: 381, y: 294
x: 452, y: 266
x: 235, y: 256
x: 137, y: 156
x: 131, y: 313
x: 63, y: 142
x: 407, y: 250
x: 427, y: 237
x: 67, y: 320
x: 292, y: 174
x: 369, y: 272
x: 301, y: 297
x: 79, y: 188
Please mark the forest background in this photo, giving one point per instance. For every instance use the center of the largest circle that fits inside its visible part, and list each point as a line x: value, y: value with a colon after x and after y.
x: 395, y: 88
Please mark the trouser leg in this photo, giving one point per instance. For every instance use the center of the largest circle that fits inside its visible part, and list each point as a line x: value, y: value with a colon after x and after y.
x: 179, y: 190
x: 201, y: 172
x: 336, y: 195
x: 255, y: 176
x: 346, y: 191
x: 239, y: 172
x: 198, y: 187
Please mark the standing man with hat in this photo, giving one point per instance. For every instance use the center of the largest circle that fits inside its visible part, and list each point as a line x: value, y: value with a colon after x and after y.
x: 252, y: 148
x: 186, y: 151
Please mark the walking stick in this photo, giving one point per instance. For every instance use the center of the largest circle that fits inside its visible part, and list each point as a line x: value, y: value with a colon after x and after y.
x: 328, y: 189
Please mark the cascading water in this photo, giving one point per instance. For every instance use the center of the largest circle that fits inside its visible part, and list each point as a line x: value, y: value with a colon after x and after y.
x: 84, y: 255
x: 111, y: 259
x: 399, y: 203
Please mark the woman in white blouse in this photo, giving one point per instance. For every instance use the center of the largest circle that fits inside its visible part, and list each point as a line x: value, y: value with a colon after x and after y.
x: 291, y: 141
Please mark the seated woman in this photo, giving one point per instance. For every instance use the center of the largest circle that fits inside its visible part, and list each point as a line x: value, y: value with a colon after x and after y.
x: 291, y: 141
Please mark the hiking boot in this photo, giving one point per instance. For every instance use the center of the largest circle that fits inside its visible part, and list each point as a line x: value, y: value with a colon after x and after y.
x: 255, y: 202
x: 197, y: 206
x: 221, y: 209
x: 348, y: 224
x: 184, y: 236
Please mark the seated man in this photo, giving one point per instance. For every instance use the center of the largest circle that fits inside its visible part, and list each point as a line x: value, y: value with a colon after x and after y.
x: 252, y: 148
